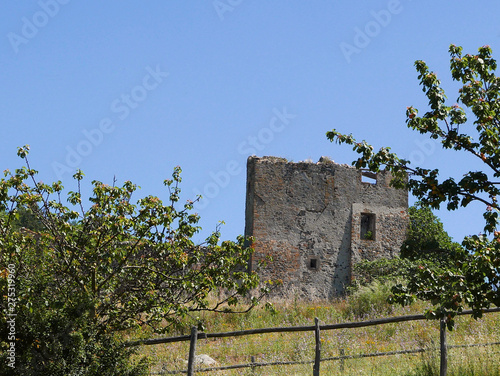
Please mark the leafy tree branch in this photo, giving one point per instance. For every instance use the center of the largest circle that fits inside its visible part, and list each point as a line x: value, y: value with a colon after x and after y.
x: 472, y: 277
x: 92, y: 273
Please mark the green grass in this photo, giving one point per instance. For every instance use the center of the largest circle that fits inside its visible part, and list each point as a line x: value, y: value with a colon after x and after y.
x: 300, y: 346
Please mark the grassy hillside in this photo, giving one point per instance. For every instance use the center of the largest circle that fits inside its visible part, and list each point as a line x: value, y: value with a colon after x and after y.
x: 364, y: 305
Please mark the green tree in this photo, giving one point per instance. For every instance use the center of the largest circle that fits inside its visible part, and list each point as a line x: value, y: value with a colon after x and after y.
x: 24, y: 218
x: 426, y: 243
x: 476, y: 274
x: 426, y: 238
x: 90, y: 273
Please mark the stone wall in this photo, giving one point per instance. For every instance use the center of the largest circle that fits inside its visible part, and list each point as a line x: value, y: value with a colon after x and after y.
x: 316, y: 219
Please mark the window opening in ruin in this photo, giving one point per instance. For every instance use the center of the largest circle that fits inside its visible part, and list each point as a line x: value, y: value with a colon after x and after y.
x: 368, y: 177
x: 367, y: 226
x: 313, y: 263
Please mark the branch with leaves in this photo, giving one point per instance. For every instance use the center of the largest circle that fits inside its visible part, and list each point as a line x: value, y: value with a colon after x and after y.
x: 475, y: 278
x: 116, y: 265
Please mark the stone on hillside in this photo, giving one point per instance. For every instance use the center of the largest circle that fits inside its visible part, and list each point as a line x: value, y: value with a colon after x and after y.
x: 204, y: 360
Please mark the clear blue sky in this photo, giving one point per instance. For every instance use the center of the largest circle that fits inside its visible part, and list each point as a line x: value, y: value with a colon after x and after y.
x: 131, y: 89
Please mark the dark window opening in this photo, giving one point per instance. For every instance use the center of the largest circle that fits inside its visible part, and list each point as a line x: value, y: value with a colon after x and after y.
x: 313, y: 263
x: 367, y: 226
x: 368, y: 177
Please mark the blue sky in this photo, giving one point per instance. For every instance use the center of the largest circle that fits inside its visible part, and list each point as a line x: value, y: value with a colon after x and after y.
x: 131, y: 89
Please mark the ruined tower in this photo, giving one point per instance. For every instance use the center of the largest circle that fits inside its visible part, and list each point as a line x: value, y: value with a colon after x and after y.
x: 317, y: 219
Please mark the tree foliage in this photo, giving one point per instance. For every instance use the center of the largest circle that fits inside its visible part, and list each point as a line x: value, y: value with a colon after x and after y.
x: 476, y: 272
x: 84, y: 274
x: 426, y: 238
x: 25, y: 218
x: 426, y: 243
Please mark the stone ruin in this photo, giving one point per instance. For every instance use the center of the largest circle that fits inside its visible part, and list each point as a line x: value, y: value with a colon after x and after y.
x: 316, y: 220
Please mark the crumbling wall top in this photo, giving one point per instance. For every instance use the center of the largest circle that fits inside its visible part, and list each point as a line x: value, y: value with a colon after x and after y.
x: 322, y: 160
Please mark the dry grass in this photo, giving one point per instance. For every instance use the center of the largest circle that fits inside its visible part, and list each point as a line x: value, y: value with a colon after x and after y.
x: 286, y: 347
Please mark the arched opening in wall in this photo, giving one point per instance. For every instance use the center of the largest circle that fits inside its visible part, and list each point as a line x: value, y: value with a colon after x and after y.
x: 367, y: 231
x: 368, y: 177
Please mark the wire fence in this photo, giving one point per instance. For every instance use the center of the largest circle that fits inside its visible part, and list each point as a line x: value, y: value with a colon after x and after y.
x: 317, y: 329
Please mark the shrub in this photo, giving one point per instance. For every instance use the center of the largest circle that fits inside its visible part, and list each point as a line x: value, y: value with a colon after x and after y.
x: 370, y: 299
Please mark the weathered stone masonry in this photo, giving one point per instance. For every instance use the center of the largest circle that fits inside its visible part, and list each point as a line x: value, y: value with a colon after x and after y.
x: 317, y: 219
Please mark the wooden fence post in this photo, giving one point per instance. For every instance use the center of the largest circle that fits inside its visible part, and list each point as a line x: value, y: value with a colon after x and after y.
x: 443, y: 348
x: 342, y: 360
x: 317, y: 358
x: 192, y: 350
